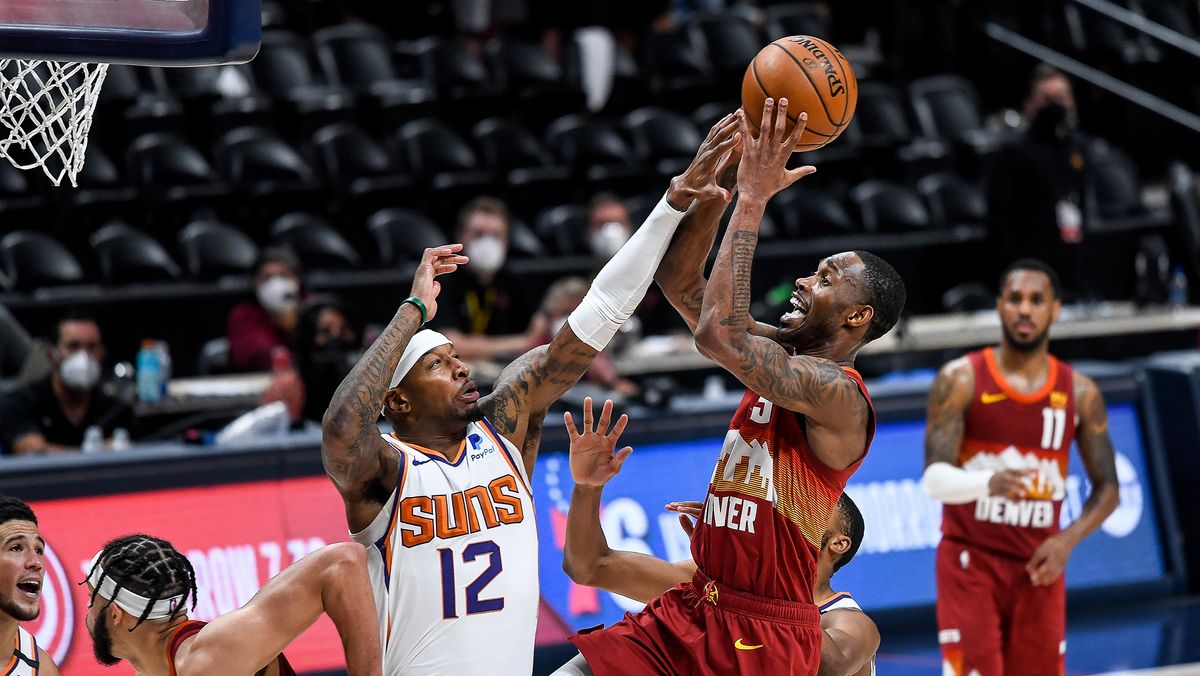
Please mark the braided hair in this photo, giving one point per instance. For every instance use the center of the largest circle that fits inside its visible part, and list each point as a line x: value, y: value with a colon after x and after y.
x: 147, y: 566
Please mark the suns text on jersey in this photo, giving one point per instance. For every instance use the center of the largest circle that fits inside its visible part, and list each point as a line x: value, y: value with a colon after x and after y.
x: 461, y: 513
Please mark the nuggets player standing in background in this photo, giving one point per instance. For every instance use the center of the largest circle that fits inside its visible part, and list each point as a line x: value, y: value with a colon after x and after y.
x: 801, y: 430
x: 444, y: 503
x: 22, y: 569
x: 1000, y: 426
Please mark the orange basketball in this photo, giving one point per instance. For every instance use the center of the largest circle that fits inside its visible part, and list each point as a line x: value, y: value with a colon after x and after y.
x: 813, y: 76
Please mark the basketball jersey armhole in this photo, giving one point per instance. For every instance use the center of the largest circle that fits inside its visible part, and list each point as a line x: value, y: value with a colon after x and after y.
x: 382, y: 521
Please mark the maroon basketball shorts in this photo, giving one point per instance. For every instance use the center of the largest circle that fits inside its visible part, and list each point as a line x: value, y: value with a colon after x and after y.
x: 992, y: 621
x: 701, y: 627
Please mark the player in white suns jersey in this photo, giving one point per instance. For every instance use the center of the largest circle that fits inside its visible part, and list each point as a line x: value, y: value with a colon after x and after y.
x: 444, y: 502
x: 22, y: 567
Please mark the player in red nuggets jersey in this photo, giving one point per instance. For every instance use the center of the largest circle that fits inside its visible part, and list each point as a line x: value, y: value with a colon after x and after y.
x: 801, y: 430
x: 1000, y: 427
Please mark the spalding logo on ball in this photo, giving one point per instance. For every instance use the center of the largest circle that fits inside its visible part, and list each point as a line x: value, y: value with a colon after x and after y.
x: 813, y: 76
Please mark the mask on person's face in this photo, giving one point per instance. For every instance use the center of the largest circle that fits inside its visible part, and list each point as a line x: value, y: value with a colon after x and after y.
x: 80, y: 371
x: 608, y: 239
x: 487, y: 254
x: 335, y: 345
x: 1052, y: 121
x: 279, y: 294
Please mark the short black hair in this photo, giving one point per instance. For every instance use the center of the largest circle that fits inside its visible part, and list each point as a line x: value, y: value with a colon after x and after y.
x: 15, y: 509
x: 74, y: 314
x: 1033, y: 265
x: 277, y: 254
x: 150, y: 567
x: 850, y: 523
x: 884, y: 293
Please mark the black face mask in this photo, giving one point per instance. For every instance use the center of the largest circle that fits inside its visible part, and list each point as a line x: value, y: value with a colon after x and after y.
x: 1052, y: 122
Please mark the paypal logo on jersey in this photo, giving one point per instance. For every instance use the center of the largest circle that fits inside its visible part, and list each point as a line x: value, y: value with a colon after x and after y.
x: 476, y: 444
x: 475, y: 440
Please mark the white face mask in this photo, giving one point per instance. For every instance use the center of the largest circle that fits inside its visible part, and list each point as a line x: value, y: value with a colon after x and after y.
x: 608, y: 239
x: 279, y: 294
x: 486, y: 253
x: 80, y: 371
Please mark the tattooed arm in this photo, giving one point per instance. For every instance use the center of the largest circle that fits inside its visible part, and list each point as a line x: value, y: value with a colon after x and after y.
x: 949, y: 398
x: 361, y: 464
x: 1099, y: 460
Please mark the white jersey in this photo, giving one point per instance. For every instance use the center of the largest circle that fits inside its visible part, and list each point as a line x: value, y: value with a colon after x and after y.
x: 453, y: 560
x: 843, y: 601
x: 24, y: 660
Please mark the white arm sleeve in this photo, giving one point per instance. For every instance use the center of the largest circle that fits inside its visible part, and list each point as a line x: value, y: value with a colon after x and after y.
x: 954, y: 485
x: 622, y: 282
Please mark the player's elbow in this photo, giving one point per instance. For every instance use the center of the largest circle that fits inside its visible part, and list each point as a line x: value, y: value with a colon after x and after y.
x: 580, y: 571
x: 712, y: 339
x: 342, y: 561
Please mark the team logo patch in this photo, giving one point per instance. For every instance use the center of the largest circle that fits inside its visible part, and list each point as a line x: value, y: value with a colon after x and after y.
x: 1058, y: 400
x: 55, y: 626
x: 742, y: 646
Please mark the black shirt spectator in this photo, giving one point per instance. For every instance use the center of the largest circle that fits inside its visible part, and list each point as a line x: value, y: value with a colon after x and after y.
x: 52, y: 414
x: 35, y: 410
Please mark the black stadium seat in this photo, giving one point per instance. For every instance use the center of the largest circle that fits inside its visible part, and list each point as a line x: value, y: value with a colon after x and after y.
x: 127, y: 256
x: 402, y: 235
x: 797, y: 19
x: 807, y: 213
x: 564, y: 229
x: 889, y: 207
x: 594, y: 151
x: 260, y: 164
x: 31, y: 260
x: 947, y: 106
x: 730, y: 41
x: 512, y: 151
x: 359, y: 57
x: 663, y: 140
x: 357, y: 166
x: 315, y: 242
x: 440, y: 156
x: 456, y: 73
x: 533, y: 80
x: 1113, y: 183
x: 952, y: 200
x: 167, y: 168
x: 212, y: 249
x: 283, y: 70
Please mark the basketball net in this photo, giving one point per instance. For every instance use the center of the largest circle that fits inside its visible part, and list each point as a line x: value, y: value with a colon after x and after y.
x: 45, y: 113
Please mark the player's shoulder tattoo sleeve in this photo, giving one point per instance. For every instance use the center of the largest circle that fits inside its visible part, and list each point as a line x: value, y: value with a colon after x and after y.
x: 1095, y: 446
x: 813, y: 386
x: 949, y: 397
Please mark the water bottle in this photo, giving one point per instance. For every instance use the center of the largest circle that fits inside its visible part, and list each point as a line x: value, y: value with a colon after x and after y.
x: 120, y: 439
x: 93, y: 440
x: 1177, y: 291
x: 149, y: 373
x: 164, y: 365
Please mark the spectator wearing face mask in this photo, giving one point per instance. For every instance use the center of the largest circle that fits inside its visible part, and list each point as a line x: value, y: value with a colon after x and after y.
x: 51, y: 415
x: 483, y: 308
x: 608, y: 228
x: 327, y: 346
x: 1036, y: 183
x: 255, y: 327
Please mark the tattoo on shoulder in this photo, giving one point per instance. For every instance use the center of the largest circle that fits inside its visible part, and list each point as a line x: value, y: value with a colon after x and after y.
x: 771, y: 372
x: 535, y: 372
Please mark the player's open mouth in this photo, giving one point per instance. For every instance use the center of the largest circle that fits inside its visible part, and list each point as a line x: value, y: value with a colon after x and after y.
x: 31, y: 588
x: 799, y: 303
x: 469, y: 393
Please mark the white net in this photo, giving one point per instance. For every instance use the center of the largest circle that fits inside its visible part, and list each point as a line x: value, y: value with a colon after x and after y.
x: 45, y: 113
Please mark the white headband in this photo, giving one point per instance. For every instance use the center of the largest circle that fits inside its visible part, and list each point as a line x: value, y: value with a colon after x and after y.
x: 134, y: 604
x: 424, y: 341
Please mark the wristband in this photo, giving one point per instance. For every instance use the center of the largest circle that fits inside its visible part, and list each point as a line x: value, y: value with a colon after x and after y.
x: 419, y: 305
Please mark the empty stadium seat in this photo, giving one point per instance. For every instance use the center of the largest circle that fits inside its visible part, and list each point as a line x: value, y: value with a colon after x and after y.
x: 31, y: 260
x: 534, y: 81
x: 730, y: 42
x: 358, y: 166
x: 512, y: 151
x: 456, y: 73
x: 284, y: 71
x: 402, y: 235
x: 804, y: 213
x: 662, y: 139
x: 593, y: 150
x: 797, y: 19
x: 127, y: 256
x: 359, y: 57
x: 1113, y: 183
x: 889, y: 207
x: 440, y: 156
x: 952, y: 200
x: 947, y: 106
x: 212, y: 249
x: 166, y: 168
x: 564, y: 229
x: 315, y: 242
x: 261, y: 165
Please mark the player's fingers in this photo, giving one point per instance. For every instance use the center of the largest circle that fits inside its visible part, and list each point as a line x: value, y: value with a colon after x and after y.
x: 798, y: 173
x: 764, y: 127
x: 445, y: 250
x: 718, y: 149
x: 718, y: 126
x: 619, y: 457
x: 801, y: 123
x: 619, y: 428
x: 587, y: 415
x: 572, y: 433
x: 685, y: 522
x: 605, y: 417
x: 781, y: 120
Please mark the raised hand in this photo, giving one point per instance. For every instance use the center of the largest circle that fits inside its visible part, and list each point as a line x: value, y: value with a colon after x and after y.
x: 701, y: 180
x: 763, y: 170
x: 439, y: 260
x: 593, y: 462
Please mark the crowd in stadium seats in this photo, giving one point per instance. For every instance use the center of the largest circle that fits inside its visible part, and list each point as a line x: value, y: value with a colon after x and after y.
x: 353, y: 141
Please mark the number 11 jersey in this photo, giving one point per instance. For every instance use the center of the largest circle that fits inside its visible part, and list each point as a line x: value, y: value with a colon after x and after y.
x: 453, y: 561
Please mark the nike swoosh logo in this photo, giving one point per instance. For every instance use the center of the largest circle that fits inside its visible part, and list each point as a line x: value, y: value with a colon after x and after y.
x: 742, y: 646
x: 421, y: 462
x: 992, y: 397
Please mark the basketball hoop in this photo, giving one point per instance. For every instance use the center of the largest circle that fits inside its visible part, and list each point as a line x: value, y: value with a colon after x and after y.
x: 46, y: 111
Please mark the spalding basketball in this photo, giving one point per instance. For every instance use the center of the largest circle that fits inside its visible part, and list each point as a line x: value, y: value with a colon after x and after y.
x: 813, y: 76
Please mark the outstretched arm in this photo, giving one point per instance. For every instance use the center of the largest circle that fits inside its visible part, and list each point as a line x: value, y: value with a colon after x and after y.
x: 332, y: 580
x: 815, y: 387
x: 587, y: 558
x: 849, y: 641
x: 1099, y: 460
x: 355, y: 457
x: 527, y: 388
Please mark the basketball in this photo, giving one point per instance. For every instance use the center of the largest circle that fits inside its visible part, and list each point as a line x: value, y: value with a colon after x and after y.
x: 813, y: 76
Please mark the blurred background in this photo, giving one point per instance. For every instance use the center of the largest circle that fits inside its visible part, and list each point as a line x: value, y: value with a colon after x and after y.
x: 174, y: 327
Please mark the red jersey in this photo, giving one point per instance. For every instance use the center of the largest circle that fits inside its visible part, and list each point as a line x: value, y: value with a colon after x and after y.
x: 189, y: 629
x: 1005, y: 429
x: 770, y: 502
